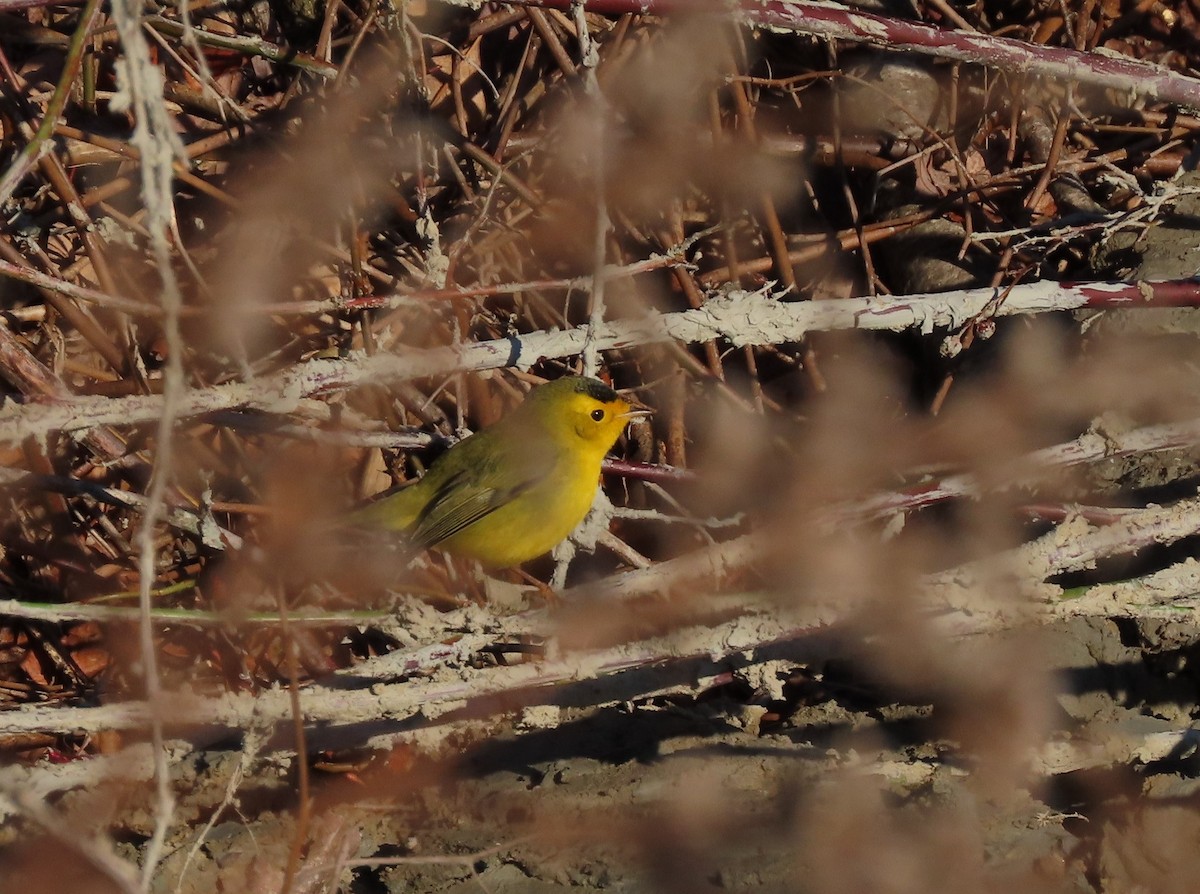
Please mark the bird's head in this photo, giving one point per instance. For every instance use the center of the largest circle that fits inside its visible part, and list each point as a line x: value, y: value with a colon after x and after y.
x: 583, y: 411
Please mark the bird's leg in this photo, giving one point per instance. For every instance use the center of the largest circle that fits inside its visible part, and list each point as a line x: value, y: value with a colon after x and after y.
x: 540, y: 588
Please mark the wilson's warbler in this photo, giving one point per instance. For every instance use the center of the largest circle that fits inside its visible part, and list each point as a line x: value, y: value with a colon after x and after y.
x: 513, y: 491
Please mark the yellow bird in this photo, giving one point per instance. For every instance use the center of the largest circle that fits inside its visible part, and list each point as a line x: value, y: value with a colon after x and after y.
x: 513, y: 491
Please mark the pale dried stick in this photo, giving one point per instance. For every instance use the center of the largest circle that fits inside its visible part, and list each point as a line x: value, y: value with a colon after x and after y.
x: 744, y: 318
x: 158, y: 144
x: 681, y: 651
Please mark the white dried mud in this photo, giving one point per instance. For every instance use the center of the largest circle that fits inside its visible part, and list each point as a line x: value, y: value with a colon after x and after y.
x: 679, y: 794
x: 641, y: 784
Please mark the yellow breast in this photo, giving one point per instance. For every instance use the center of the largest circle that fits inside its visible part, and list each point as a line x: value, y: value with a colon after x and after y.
x: 535, y: 523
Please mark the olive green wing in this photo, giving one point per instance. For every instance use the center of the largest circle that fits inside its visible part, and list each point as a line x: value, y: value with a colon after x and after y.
x: 491, y: 480
x: 459, y: 505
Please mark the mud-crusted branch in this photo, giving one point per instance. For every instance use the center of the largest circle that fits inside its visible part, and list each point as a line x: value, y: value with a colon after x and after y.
x: 691, y: 651
x: 743, y: 318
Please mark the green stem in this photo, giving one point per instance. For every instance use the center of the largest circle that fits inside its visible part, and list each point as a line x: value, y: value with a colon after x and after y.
x: 168, y: 590
x: 251, y: 46
x: 70, y: 69
x: 48, y: 611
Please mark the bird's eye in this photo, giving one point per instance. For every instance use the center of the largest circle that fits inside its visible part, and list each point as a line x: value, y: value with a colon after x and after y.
x: 598, y: 415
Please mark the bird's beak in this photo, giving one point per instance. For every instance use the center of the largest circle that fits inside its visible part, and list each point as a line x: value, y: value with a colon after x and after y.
x: 637, y: 410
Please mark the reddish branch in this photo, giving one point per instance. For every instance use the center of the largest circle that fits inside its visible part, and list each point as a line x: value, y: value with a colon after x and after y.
x: 14, y: 5
x: 658, y: 474
x: 1126, y: 75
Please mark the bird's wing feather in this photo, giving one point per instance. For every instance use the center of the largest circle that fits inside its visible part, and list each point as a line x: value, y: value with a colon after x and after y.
x: 460, y: 505
x: 479, y: 490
